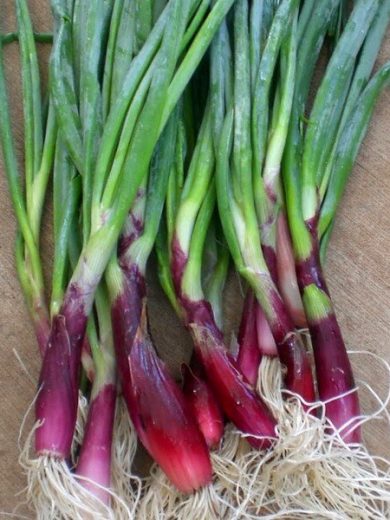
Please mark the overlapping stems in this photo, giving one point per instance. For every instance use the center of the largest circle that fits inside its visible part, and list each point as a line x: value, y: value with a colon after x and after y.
x: 43, y: 154
x: 28, y: 201
x: 156, y: 404
x: 151, y: 88
x: 188, y: 233
x: 94, y: 462
x: 309, y: 168
x: 193, y: 264
x: 338, y: 169
x: 114, y: 189
x: 118, y: 147
x: 241, y: 188
x: 159, y: 411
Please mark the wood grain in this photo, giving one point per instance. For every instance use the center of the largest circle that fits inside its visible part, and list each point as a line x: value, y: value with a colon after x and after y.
x: 358, y: 272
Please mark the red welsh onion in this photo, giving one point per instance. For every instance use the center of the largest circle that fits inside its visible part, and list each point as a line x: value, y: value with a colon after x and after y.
x: 157, y: 407
x: 337, y: 122
x: 66, y: 194
x: 195, y: 209
x: 239, y: 196
x: 150, y: 92
x: 195, y: 288
x: 329, y: 350
x: 242, y: 140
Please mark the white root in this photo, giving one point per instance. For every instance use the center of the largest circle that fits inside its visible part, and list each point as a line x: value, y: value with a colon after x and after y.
x: 311, y: 472
x: 54, y: 492
x: 82, y: 414
x: 269, y: 384
x: 125, y: 483
x: 163, y: 501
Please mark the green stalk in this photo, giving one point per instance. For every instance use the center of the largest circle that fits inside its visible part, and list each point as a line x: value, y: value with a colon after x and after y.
x: 160, y: 170
x: 326, y: 111
x: 337, y: 23
x: 277, y: 139
x: 167, y: 225
x: 194, y: 54
x: 118, y: 113
x: 100, y: 339
x: 112, y: 130
x: 66, y: 195
x: 140, y: 65
x: 310, y: 45
x: 260, y: 109
x: 244, y: 213
x: 123, y: 151
x: 217, y: 279
x: 96, y: 20
x: 164, y: 269
x: 115, y: 23
x: 256, y: 35
x: 103, y: 353
x: 158, y: 7
x: 355, y: 129
x: 234, y: 184
x: 79, y: 10
x: 176, y: 181
x: 144, y: 20
x: 41, y: 178
x: 191, y: 284
x: 268, y: 15
x: 38, y: 154
x: 305, y: 17
x: 20, y: 263
x: 12, y: 172
x: 97, y: 251
x: 31, y: 99
x: 39, y: 37
x: 308, y: 52
x: 195, y: 22
x: 220, y: 80
x: 361, y: 76
x: 101, y: 243
x: 63, y: 90
x: 151, y: 205
x: 242, y: 150
x: 125, y: 48
x: 196, y: 184
x: 226, y: 204
x: 292, y: 190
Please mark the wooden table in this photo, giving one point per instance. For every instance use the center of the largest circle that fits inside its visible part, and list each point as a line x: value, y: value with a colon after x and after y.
x: 358, y: 271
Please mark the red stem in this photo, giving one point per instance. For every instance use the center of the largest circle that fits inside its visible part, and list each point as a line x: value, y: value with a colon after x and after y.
x: 249, y: 355
x: 95, y: 455
x: 57, y: 400
x: 287, y: 277
x: 157, y: 406
x: 239, y: 401
x: 204, y: 406
x: 333, y: 368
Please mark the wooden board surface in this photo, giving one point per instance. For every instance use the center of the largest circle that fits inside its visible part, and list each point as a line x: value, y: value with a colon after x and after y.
x: 358, y: 271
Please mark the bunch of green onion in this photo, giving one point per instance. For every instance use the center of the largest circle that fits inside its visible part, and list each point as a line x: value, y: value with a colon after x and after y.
x: 186, y: 126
